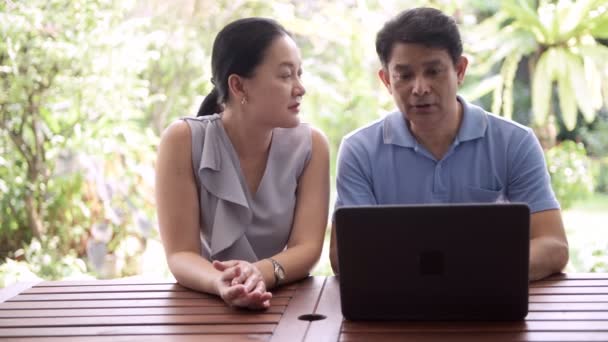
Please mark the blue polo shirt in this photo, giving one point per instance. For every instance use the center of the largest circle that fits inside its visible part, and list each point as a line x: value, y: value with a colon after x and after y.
x: 491, y: 160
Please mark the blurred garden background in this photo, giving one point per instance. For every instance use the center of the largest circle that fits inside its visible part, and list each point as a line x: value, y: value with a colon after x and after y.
x: 87, y: 87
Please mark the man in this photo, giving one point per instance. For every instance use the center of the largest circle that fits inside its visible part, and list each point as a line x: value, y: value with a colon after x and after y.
x: 438, y: 148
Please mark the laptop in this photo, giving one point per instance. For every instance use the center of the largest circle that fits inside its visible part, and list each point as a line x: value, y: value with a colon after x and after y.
x: 434, y: 262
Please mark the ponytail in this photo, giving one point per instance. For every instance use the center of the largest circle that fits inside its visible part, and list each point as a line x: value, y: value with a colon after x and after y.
x: 210, y: 104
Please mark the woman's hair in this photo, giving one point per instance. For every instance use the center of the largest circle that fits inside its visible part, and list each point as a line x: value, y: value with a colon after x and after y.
x: 238, y: 49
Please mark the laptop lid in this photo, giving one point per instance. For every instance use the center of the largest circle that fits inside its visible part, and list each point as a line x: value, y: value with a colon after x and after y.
x: 434, y: 262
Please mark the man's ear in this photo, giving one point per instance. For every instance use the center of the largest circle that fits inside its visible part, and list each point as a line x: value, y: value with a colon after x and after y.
x: 461, y: 69
x: 236, y: 87
x: 384, y: 76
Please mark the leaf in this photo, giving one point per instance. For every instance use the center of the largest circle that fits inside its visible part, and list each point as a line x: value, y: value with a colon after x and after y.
x: 576, y: 76
x: 509, y: 68
x: 600, y: 30
x: 479, y: 89
x: 497, y: 96
x: 598, y: 23
x: 572, y: 15
x: 542, y: 84
x: 567, y: 98
x: 599, y: 53
x: 527, y: 18
x: 508, y: 42
x: 593, y: 76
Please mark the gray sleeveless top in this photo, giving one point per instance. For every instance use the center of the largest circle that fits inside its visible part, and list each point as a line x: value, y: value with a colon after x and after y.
x: 234, y: 223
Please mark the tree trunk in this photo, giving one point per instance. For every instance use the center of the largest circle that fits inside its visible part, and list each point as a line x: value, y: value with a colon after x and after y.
x: 33, y: 216
x: 547, y: 133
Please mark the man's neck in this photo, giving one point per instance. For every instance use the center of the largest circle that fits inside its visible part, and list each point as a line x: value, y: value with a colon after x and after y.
x: 437, y: 140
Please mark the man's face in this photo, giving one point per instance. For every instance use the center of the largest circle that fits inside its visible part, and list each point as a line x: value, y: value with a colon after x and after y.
x: 424, y: 82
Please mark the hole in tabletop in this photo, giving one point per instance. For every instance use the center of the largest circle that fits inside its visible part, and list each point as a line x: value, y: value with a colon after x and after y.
x: 312, y: 317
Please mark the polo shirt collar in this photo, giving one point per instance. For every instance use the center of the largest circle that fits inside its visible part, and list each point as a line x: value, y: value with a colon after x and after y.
x: 473, y: 126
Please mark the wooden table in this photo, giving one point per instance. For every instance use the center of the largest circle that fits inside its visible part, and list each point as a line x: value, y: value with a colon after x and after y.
x: 572, y: 307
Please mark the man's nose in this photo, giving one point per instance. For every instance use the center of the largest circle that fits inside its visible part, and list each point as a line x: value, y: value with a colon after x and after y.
x: 421, y: 86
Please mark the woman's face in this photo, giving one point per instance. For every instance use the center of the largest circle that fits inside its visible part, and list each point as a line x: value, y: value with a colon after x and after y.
x: 275, y: 90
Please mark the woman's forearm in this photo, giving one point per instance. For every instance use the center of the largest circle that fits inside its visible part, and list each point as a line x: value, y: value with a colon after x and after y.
x: 297, y: 262
x: 194, y: 272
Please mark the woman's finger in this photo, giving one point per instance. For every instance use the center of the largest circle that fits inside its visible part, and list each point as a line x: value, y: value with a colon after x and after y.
x: 229, y: 274
x: 252, y: 282
x: 233, y: 292
x: 242, y: 277
x: 223, y: 265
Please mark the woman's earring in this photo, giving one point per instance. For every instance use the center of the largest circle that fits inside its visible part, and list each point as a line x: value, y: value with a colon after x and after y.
x: 243, y: 100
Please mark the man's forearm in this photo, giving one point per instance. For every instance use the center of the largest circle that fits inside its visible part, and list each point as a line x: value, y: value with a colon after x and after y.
x: 547, y: 256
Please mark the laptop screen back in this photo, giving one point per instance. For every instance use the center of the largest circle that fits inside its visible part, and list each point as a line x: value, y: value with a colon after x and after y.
x: 434, y: 262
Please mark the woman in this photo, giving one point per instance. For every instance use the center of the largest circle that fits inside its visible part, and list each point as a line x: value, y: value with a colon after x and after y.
x: 243, y: 189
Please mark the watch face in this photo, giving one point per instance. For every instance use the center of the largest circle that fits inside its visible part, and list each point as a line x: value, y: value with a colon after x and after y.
x: 280, y: 273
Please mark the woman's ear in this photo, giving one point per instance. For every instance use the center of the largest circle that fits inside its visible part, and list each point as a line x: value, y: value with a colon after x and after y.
x: 236, y: 87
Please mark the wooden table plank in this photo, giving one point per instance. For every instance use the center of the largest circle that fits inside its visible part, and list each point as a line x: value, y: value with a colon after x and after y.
x: 409, y: 327
x: 109, y: 296
x: 327, y: 329
x: 304, y: 301
x: 106, y: 288
x: 134, y: 320
x: 574, y: 276
x: 476, y: 337
x: 569, y: 299
x: 111, y: 288
x: 568, y: 282
x: 102, y: 282
x: 562, y: 290
x: 163, y: 338
x: 568, y: 306
x: 14, y: 290
x: 568, y: 315
x: 168, y: 311
x: 125, y: 295
x: 123, y: 303
x: 138, y: 330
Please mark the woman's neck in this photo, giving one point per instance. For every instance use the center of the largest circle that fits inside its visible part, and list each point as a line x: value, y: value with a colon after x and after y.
x: 248, y: 137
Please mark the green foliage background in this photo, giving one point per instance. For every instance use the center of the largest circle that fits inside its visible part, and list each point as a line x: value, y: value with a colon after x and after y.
x: 87, y: 86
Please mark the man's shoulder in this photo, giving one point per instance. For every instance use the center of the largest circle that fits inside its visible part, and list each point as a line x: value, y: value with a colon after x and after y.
x: 501, y: 123
x: 369, y: 131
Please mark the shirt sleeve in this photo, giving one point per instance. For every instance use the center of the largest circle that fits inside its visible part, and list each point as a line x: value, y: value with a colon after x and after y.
x: 353, y: 180
x: 529, y: 179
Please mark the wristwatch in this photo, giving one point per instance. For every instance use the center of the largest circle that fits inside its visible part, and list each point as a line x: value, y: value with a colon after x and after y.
x: 279, y: 272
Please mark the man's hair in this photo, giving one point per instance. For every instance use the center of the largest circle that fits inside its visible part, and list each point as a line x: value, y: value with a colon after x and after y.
x: 426, y: 26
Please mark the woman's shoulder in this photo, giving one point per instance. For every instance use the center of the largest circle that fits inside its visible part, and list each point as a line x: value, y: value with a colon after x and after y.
x: 177, y: 133
x: 301, y: 143
x: 201, y: 121
x: 304, y: 132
